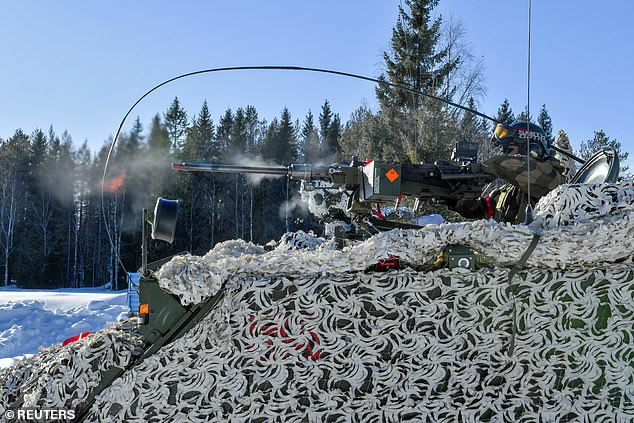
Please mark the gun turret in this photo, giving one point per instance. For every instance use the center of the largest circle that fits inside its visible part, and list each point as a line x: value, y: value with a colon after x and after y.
x: 375, y: 182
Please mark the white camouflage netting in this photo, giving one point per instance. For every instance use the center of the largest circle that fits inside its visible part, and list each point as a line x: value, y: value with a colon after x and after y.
x: 602, y: 233
x: 62, y: 376
x: 305, y: 334
x: 398, y: 346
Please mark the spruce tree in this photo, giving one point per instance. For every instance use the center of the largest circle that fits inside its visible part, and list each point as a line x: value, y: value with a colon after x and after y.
x: 309, y: 137
x: 599, y: 141
x: 332, y: 140
x: 237, y: 134
x: 414, y: 59
x: 39, y: 209
x: 487, y: 148
x: 176, y: 124
x: 223, y: 131
x: 253, y: 129
x: 129, y: 147
x: 325, y: 123
x: 14, y: 157
x: 414, y: 127
x: 198, y: 192
x: 267, y: 147
x: 524, y: 116
x: 357, y: 138
x: 286, y: 139
x: 137, y: 131
x: 505, y: 113
x: 158, y: 139
x: 200, y: 144
x: 39, y: 146
x: 544, y: 121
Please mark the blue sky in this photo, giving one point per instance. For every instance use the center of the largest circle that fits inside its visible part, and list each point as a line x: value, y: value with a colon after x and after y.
x: 79, y: 65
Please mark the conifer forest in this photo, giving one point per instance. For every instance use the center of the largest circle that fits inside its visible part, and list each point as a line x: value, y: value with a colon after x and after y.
x: 54, y: 226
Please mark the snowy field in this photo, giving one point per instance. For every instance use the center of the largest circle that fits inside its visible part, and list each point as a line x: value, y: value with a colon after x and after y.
x: 33, y: 318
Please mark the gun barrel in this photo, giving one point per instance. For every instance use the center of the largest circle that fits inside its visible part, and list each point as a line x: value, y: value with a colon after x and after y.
x: 222, y: 168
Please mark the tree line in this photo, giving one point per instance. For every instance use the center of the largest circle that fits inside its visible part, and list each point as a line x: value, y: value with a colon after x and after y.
x: 55, y: 231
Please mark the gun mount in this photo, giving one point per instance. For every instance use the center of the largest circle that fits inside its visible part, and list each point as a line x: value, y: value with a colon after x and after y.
x: 370, y: 184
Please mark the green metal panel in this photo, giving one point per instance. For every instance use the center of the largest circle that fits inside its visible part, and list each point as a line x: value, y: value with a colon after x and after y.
x: 165, y: 309
x: 461, y: 256
x: 380, y: 181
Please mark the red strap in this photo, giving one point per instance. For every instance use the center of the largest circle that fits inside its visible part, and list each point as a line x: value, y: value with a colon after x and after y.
x: 489, y: 206
x: 377, y: 212
x: 77, y: 337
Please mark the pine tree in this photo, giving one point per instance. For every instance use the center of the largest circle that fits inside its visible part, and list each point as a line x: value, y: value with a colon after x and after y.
x: 414, y: 59
x: 332, y: 140
x: 357, y: 138
x: 237, y: 134
x: 544, y: 121
x: 14, y: 155
x: 137, y: 131
x: 309, y: 137
x: 39, y: 209
x: 200, y: 143
x: 325, y: 123
x: 415, y: 128
x: 253, y: 129
x: 176, y: 124
x: 158, y: 140
x: 599, y: 141
x: 128, y: 147
x: 505, y: 113
x: 199, y: 205
x: 286, y: 139
x: 525, y: 116
x: 223, y: 131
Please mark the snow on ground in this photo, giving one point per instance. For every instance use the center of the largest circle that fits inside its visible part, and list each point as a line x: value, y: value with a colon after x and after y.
x: 33, y: 318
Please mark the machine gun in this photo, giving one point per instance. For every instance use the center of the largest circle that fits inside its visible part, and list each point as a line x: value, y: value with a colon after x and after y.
x: 370, y: 184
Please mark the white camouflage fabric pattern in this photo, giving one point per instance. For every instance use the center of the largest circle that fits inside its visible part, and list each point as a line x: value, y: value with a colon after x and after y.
x: 582, y: 226
x: 309, y: 335
x: 582, y: 203
x: 62, y: 376
x: 395, y: 347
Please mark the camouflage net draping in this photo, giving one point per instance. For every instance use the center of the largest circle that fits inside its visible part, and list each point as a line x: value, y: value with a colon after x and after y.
x: 581, y: 226
x: 399, y: 346
x: 306, y: 334
x: 62, y: 376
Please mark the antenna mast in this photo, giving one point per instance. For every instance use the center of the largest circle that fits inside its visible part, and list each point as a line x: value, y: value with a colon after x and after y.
x: 528, y: 218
